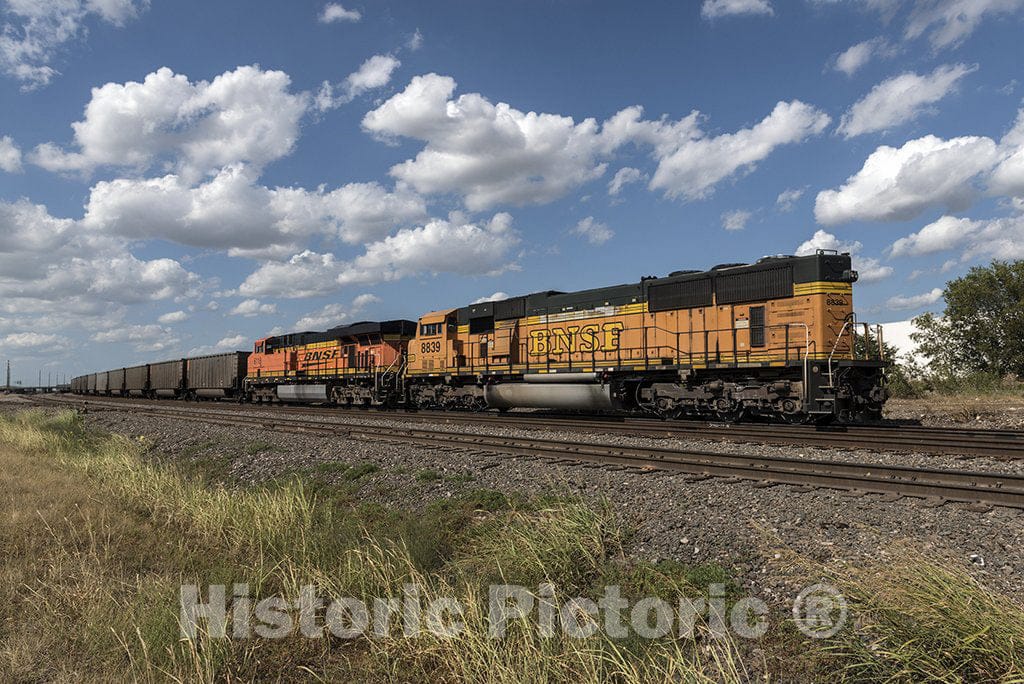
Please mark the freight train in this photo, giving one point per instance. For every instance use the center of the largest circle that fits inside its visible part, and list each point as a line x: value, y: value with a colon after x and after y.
x: 775, y: 339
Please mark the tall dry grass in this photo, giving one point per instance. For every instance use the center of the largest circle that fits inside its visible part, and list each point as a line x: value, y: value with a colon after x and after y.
x: 106, y: 598
x: 923, y: 619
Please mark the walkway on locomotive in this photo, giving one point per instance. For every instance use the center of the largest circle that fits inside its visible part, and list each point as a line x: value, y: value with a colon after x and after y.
x: 776, y: 312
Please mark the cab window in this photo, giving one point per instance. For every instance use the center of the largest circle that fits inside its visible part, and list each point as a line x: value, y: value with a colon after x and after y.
x: 430, y: 329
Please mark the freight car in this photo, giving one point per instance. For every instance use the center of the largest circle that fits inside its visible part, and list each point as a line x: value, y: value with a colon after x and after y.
x: 216, y: 376
x: 136, y: 381
x: 358, y: 364
x: 115, y: 382
x: 167, y: 379
x: 203, y: 377
x: 774, y: 339
x: 102, y: 383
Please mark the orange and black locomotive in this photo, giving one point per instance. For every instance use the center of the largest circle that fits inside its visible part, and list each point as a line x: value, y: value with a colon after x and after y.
x: 775, y: 338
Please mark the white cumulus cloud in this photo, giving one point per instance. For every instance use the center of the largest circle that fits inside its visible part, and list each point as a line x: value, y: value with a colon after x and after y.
x: 335, y: 314
x: 34, y: 31
x: 495, y: 297
x: 372, y: 74
x: 253, y: 307
x: 493, y: 154
x: 850, y: 60
x: 896, y: 184
x: 245, y: 116
x: 489, y: 153
x: 44, y: 259
x: 453, y: 246
x: 949, y: 22
x: 939, y: 236
x: 690, y: 165
x: 789, y: 197
x: 624, y: 177
x: 593, y: 231
x: 334, y: 12
x: 904, y: 302
x: 440, y: 246
x: 901, y: 99
x: 225, y: 344
x: 1008, y: 176
x: 307, y: 274
x: 172, y: 317
x: 736, y: 220
x: 10, y: 155
x: 32, y: 340
x: 143, y: 338
x: 232, y: 211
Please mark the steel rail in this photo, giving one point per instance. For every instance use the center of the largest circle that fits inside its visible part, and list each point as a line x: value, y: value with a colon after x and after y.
x: 1002, y: 489
x: 998, y: 444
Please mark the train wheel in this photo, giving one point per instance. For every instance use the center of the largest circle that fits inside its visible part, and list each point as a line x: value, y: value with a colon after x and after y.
x: 729, y: 411
x: 734, y: 415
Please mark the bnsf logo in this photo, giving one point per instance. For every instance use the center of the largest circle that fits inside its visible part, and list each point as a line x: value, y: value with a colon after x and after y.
x: 323, y: 355
x: 574, y: 338
x: 835, y: 301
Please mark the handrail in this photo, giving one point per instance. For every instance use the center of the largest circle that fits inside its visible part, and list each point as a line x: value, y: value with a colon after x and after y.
x: 850, y: 321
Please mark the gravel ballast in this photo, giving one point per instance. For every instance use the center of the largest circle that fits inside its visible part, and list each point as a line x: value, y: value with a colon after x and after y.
x: 737, y: 524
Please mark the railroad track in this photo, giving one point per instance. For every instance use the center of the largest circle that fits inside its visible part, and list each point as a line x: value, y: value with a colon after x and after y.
x: 1001, y: 489
x: 997, y: 444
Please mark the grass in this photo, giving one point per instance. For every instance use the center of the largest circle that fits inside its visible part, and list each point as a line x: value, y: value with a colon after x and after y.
x: 359, y: 471
x: 923, y: 620
x: 427, y: 475
x: 918, y: 618
x: 918, y: 384
x: 258, y: 447
x: 97, y: 536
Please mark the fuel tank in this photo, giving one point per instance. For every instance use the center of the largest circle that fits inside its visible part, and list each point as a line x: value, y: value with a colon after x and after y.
x: 568, y: 396
x: 310, y: 393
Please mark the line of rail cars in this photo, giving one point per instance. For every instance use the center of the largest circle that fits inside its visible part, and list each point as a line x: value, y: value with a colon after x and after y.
x: 777, y: 338
x: 214, y: 376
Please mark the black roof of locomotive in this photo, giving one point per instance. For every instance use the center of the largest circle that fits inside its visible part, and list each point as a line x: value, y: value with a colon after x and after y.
x: 804, y: 269
x: 342, y: 332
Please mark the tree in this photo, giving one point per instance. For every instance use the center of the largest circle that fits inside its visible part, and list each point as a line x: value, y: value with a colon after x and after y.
x: 900, y: 373
x: 982, y: 329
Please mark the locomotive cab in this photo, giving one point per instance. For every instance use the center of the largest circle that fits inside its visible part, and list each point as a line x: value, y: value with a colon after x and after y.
x: 436, y: 348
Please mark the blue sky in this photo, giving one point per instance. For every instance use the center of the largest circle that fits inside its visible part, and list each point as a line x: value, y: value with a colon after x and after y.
x: 186, y: 177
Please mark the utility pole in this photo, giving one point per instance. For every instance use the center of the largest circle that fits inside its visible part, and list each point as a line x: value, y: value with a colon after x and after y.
x: 8, y: 385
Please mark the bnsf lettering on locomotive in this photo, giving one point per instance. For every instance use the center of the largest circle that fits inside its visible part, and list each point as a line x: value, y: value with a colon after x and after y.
x: 574, y: 338
x: 324, y: 355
